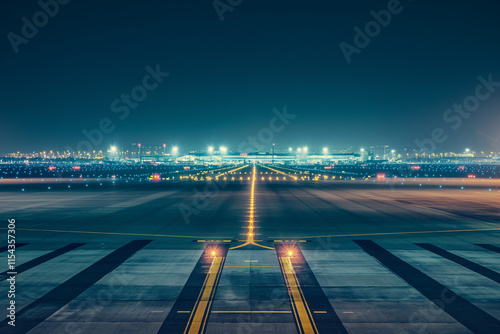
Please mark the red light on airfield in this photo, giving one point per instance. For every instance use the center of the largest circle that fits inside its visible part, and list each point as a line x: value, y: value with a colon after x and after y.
x: 416, y: 167
x: 471, y: 176
x: 155, y: 177
x: 380, y: 176
x: 51, y: 168
x: 76, y: 167
x: 461, y: 168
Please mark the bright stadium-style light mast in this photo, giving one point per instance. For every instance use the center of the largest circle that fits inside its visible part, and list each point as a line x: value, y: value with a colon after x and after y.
x: 223, y: 150
x: 113, y: 151
x: 325, y: 150
x: 175, y: 150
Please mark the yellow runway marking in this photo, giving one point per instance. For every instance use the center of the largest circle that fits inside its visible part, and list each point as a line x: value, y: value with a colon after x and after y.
x: 111, y: 233
x: 250, y: 235
x: 300, y: 308
x: 393, y: 233
x: 199, y: 316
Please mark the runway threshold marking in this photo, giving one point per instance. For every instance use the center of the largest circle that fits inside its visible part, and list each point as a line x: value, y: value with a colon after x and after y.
x: 489, y: 247
x: 312, y: 309
x: 477, y: 268
x: 463, y: 311
x: 58, y: 297
x: 41, y: 259
x: 390, y: 233
x: 6, y: 248
x: 192, y: 308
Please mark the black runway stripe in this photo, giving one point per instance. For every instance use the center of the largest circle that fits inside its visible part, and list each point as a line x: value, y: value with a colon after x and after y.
x: 41, y: 259
x: 179, y: 316
x: 38, y: 311
x: 486, y: 272
x: 489, y: 247
x: 6, y: 248
x: 466, y: 313
x: 323, y: 315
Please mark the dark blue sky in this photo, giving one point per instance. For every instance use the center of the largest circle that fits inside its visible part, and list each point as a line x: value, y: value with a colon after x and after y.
x: 227, y: 76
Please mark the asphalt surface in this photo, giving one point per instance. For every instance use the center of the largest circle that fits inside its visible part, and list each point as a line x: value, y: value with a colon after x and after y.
x: 269, y: 252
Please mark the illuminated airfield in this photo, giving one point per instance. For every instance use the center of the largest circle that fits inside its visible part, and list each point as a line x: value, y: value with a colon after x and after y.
x: 255, y: 249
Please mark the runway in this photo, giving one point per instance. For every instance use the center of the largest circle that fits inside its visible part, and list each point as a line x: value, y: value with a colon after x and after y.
x: 267, y: 250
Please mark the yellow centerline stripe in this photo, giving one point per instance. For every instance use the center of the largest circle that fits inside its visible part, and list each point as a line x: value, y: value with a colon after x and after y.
x: 199, y: 316
x: 115, y: 233
x: 250, y: 235
x: 390, y: 233
x: 303, y: 315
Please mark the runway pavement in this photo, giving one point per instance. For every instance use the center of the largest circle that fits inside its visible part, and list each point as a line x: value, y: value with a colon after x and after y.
x: 269, y: 250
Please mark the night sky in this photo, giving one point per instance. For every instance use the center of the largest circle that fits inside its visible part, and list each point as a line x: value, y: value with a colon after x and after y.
x: 227, y: 76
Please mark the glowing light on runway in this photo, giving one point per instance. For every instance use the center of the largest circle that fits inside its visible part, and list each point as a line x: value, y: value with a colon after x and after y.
x: 250, y: 235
